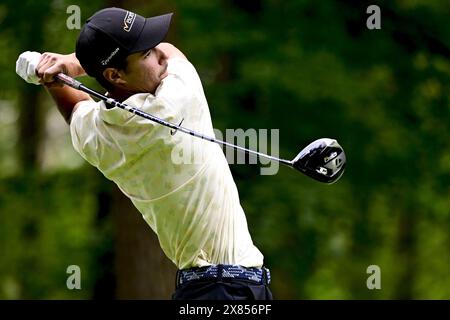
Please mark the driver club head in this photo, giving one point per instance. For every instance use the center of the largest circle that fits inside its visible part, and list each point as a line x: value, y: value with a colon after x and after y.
x: 323, y: 160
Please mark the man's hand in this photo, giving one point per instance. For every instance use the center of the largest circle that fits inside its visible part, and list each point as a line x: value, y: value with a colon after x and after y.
x: 52, y: 64
x: 38, y: 68
x: 26, y: 66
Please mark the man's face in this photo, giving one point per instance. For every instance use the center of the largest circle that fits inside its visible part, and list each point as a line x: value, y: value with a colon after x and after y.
x: 145, y: 70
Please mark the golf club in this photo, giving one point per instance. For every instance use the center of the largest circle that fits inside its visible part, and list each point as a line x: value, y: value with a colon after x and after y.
x: 323, y: 160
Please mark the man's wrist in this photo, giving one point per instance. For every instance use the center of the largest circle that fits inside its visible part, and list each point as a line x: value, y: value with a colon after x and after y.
x: 79, y: 71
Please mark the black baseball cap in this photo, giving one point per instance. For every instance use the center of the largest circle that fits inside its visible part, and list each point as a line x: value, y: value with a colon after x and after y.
x: 112, y: 34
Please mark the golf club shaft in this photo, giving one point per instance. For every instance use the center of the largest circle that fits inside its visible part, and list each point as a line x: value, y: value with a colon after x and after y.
x: 79, y: 86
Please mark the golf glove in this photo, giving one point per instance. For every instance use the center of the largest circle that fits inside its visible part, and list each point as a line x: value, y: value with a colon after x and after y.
x: 26, y: 66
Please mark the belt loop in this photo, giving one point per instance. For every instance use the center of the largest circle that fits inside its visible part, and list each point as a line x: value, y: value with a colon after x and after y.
x: 219, y: 272
x: 265, y: 278
x: 177, y: 279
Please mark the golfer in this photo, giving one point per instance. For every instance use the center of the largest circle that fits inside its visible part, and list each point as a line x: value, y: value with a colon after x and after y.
x: 193, y: 206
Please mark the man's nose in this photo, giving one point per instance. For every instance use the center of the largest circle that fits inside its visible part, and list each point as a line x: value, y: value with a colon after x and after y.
x: 161, y: 55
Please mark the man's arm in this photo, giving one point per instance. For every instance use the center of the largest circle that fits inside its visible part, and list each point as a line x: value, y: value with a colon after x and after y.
x: 66, y: 98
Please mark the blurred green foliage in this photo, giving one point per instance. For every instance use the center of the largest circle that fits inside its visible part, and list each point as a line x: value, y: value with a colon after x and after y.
x: 311, y: 69
x: 48, y: 223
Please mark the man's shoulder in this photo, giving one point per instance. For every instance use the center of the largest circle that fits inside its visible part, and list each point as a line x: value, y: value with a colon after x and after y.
x: 83, y: 109
x: 170, y: 50
x: 179, y: 64
x: 182, y: 75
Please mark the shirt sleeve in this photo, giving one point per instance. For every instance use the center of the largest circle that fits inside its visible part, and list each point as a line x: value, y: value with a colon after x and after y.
x: 182, y: 92
x: 83, y: 131
x: 185, y: 72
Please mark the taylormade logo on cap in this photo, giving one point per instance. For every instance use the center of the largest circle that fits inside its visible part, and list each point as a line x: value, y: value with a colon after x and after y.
x: 128, y: 21
x: 105, y: 62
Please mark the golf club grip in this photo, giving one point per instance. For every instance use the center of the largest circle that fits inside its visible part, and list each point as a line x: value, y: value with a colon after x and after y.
x: 71, y: 82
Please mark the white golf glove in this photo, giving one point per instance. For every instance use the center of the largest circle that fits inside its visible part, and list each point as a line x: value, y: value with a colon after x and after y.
x: 26, y: 66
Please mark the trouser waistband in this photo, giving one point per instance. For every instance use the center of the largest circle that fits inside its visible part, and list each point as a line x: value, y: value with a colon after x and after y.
x: 224, y: 272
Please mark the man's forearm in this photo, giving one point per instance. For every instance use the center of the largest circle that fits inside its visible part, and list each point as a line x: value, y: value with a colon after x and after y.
x: 66, y: 98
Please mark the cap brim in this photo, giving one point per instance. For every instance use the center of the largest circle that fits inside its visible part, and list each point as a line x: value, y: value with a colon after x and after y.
x: 154, y: 31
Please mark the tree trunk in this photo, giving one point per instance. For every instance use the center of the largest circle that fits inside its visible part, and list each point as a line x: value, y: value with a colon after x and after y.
x: 142, y: 269
x: 30, y: 127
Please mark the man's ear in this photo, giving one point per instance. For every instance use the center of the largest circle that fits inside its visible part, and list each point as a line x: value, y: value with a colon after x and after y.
x: 114, y: 76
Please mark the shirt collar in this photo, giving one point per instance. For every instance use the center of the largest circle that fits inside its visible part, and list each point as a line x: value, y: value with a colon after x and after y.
x: 117, y: 115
